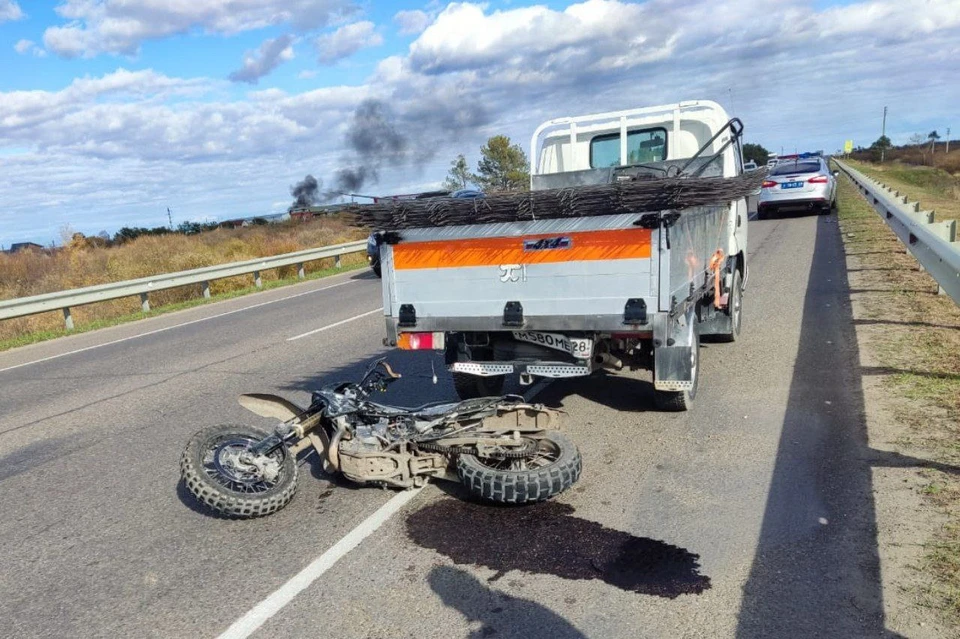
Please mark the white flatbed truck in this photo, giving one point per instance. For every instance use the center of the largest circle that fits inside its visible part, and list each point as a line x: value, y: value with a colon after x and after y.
x: 564, y: 297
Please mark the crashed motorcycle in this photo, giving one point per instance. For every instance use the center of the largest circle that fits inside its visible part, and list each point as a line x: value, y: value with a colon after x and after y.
x: 502, y: 449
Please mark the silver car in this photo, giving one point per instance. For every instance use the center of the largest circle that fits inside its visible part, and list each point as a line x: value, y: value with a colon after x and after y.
x: 802, y: 184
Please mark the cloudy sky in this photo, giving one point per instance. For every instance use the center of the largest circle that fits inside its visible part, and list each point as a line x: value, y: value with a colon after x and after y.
x: 113, y: 110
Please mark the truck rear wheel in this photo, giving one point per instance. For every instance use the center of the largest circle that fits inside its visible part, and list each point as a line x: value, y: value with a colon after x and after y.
x: 678, y: 401
x: 473, y: 386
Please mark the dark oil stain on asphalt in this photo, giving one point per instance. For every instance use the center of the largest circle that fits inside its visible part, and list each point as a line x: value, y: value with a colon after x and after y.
x: 545, y: 538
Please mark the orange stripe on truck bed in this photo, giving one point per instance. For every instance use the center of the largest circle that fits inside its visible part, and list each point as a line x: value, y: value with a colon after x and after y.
x: 620, y: 244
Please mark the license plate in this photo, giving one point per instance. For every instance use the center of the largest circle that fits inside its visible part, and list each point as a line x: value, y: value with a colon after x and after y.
x: 579, y: 347
x: 791, y: 185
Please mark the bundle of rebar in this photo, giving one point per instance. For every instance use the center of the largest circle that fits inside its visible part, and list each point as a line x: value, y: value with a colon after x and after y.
x: 634, y: 196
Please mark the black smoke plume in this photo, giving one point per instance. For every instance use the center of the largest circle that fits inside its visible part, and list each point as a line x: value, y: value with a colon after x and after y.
x: 372, y: 140
x: 305, y: 193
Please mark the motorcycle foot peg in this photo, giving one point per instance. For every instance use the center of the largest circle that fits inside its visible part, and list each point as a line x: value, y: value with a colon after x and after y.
x: 526, y: 379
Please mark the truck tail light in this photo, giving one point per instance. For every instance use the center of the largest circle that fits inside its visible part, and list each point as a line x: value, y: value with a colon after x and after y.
x: 820, y: 179
x: 768, y: 184
x: 421, y: 341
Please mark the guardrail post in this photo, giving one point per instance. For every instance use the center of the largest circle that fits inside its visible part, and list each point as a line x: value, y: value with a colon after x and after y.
x: 300, y: 273
x: 67, y: 318
x: 336, y: 261
x: 145, y: 302
x: 256, y: 279
x: 948, y: 231
x: 206, y: 289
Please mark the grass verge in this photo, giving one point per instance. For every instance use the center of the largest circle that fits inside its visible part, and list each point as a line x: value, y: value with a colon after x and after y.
x: 96, y: 324
x: 914, y: 335
x: 935, y: 188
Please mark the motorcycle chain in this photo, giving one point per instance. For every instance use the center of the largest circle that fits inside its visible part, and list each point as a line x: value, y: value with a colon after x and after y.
x: 515, y: 453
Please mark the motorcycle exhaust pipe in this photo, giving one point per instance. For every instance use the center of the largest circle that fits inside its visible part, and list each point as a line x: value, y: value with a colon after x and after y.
x: 606, y: 360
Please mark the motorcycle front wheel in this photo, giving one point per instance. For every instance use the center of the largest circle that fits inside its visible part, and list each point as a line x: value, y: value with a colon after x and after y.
x: 552, y: 467
x: 220, y: 471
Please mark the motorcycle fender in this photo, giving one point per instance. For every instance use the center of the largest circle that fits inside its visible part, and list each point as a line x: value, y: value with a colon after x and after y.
x: 270, y: 406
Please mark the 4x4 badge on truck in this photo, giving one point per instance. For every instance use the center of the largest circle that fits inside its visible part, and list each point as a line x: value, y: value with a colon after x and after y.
x: 547, y: 243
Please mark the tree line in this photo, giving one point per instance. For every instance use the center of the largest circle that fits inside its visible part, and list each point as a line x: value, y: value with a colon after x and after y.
x: 502, y: 168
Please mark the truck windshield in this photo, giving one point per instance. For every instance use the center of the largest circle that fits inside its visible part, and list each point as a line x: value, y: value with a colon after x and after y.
x: 645, y: 145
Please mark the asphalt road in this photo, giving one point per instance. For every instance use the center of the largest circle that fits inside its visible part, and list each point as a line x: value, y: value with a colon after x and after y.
x: 751, y: 516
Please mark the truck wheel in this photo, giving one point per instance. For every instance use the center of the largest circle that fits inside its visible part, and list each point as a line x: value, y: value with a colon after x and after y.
x: 554, y: 467
x: 678, y: 401
x: 473, y: 386
x: 734, y: 310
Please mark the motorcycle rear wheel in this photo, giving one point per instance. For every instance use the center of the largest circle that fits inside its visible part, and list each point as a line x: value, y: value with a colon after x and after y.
x: 214, y: 473
x: 552, y: 469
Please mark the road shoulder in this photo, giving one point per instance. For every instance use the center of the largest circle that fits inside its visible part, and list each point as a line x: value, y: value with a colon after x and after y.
x: 909, y: 344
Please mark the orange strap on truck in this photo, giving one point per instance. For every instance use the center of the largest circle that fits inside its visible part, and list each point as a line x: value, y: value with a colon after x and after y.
x: 715, y: 263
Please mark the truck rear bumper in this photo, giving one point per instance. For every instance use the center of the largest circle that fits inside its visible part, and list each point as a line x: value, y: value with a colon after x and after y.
x: 554, y: 370
x: 557, y: 323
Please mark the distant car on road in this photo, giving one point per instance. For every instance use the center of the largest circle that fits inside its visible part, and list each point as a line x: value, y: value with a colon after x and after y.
x: 750, y: 166
x: 373, y: 244
x: 803, y: 184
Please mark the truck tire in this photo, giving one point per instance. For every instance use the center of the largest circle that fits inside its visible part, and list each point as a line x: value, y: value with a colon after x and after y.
x: 473, y: 386
x: 679, y: 401
x: 734, y: 310
x: 558, y: 469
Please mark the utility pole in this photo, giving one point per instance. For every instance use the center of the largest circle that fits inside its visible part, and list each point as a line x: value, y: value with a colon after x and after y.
x: 170, y: 217
x: 883, y: 134
x: 948, y: 140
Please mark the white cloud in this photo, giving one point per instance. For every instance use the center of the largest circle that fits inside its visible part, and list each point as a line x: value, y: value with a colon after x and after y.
x: 105, y: 26
x: 10, y: 10
x: 346, y: 41
x: 127, y: 140
x: 412, y: 22
x: 24, y: 47
x: 256, y: 64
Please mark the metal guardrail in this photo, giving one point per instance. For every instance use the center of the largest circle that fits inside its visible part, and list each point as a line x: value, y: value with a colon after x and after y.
x: 23, y: 306
x: 933, y: 244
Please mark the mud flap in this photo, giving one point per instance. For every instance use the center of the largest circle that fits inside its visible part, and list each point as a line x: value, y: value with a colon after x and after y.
x: 718, y: 323
x: 673, y: 356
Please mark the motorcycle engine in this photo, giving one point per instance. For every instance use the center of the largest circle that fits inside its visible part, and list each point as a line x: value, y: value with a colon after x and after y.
x: 363, y: 460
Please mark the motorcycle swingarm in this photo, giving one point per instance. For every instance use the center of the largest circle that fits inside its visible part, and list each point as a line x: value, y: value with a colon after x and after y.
x: 523, y: 419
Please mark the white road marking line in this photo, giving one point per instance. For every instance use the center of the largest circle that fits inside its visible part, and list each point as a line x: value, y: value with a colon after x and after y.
x: 262, y: 612
x: 170, y: 328
x: 334, y: 325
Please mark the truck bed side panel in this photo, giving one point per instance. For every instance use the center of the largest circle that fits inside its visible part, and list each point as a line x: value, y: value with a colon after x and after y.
x: 694, y: 239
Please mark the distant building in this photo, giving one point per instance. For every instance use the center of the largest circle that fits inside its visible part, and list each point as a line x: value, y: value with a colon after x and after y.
x: 16, y: 247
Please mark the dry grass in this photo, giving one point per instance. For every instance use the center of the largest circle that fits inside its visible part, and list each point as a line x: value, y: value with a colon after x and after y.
x: 934, y: 188
x: 32, y: 273
x: 915, y: 333
x: 919, y: 156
